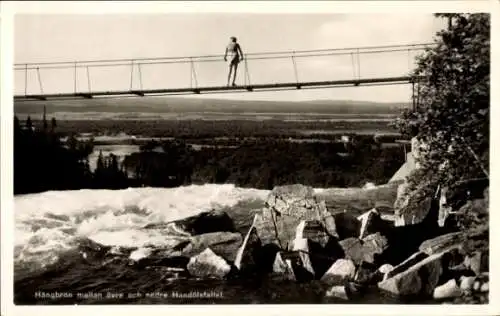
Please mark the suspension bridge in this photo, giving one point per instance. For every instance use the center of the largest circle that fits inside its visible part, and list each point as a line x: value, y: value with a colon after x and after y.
x: 269, y: 71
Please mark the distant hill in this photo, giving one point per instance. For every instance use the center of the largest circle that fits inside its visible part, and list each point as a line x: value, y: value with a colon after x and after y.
x: 197, y: 105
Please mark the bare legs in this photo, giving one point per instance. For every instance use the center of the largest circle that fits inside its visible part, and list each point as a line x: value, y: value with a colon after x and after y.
x: 233, y: 69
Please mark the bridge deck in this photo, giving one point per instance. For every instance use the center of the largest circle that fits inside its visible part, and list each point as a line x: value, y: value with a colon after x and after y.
x: 220, y: 89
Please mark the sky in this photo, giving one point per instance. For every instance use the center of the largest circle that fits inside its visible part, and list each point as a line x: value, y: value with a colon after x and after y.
x: 69, y: 37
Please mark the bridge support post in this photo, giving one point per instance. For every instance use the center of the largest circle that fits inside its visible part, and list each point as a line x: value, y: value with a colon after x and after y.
x: 247, y: 75
x: 193, y: 74
x: 25, y: 79
x: 74, y: 83
x: 39, y: 79
x: 295, y: 69
x: 131, y: 74
x: 88, y: 79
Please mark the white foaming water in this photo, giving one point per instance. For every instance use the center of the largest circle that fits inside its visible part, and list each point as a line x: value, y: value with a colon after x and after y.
x: 50, y: 223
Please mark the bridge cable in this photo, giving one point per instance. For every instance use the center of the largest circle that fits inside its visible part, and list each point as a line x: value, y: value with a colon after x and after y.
x: 39, y: 80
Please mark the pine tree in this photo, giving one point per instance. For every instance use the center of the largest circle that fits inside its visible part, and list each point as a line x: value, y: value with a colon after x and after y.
x: 45, y: 124
x: 29, y: 124
x: 53, y: 125
x: 17, y: 124
x: 100, y: 162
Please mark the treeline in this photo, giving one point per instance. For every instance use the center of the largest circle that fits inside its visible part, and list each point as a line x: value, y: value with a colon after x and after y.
x: 198, y: 129
x: 42, y: 162
x: 266, y: 163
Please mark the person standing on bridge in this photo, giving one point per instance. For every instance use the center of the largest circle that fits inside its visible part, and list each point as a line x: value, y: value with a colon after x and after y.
x: 235, y: 53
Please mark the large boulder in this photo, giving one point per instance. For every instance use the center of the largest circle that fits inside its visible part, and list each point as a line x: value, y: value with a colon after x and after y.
x: 341, y: 271
x: 282, y: 268
x: 207, y: 222
x: 371, y: 222
x: 323, y: 249
x: 414, y: 279
x: 313, y: 231
x: 338, y: 291
x: 448, y: 290
x: 409, y: 207
x: 347, y: 225
x: 285, y: 208
x: 290, y: 265
x: 367, y: 250
x: 223, y: 244
x: 208, y: 265
x: 203, y: 223
x: 301, y: 246
x: 441, y: 243
x: 247, y: 257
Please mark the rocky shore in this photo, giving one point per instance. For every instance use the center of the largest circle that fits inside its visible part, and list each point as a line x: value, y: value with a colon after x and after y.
x: 301, y: 236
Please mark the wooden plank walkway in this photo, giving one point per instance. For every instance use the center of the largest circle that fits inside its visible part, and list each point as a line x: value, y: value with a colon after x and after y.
x: 221, y: 89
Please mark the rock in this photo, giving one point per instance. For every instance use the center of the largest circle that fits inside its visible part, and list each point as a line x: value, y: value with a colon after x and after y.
x: 341, y: 271
x: 286, y: 207
x: 223, y: 244
x: 208, y: 265
x: 473, y: 262
x: 301, y: 246
x: 371, y: 222
x: 170, y: 229
x: 447, y: 290
x: 441, y: 243
x: 314, y: 231
x: 322, y: 249
x: 338, y: 291
x: 290, y: 266
x: 444, y: 207
x: 374, y: 245
x: 408, y: 263
x: 369, y: 185
x: 283, y: 268
x: 385, y: 268
x: 203, y: 223
x: 365, y: 274
x: 408, y: 208
x: 476, y: 286
x: 353, y: 249
x: 323, y: 257
x: 364, y: 250
x: 419, y: 279
x: 467, y: 283
x: 140, y: 254
x: 347, y: 225
x: 382, y: 272
x: 247, y: 256
x: 485, y: 287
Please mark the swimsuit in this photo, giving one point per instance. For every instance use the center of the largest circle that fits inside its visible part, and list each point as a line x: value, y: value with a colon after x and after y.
x: 233, y: 54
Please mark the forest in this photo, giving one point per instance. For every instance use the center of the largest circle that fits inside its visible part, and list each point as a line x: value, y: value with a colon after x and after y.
x: 42, y: 161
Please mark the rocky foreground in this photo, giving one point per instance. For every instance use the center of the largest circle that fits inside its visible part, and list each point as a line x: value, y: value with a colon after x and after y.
x: 297, y: 237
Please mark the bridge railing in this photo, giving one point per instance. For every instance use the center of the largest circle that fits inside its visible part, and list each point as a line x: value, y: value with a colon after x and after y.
x: 211, y: 70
